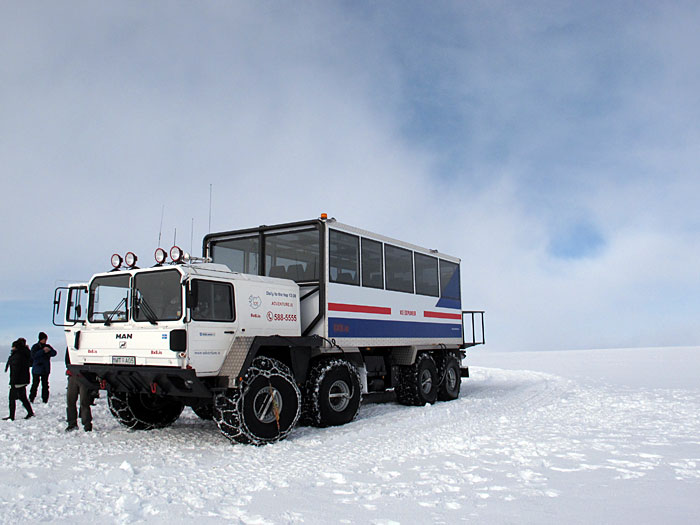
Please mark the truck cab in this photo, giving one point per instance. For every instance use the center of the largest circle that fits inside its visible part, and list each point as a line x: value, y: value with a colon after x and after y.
x: 180, y: 316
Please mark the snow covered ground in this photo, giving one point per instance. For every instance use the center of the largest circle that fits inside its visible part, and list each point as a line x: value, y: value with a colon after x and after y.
x: 607, y: 436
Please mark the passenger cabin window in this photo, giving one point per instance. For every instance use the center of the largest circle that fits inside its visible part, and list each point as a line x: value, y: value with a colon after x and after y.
x: 372, y: 267
x: 399, y: 269
x: 158, y: 296
x: 344, y: 258
x: 109, y: 298
x: 426, y: 275
x: 449, y: 280
x: 293, y: 255
x: 240, y: 255
x: 211, y: 301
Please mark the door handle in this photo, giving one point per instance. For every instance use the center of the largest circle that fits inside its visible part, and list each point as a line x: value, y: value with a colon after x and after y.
x: 229, y: 331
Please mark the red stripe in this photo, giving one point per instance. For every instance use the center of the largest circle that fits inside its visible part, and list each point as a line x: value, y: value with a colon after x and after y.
x: 338, y: 307
x: 441, y: 315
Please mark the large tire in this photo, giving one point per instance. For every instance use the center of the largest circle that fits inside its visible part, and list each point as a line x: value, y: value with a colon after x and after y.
x: 144, y: 411
x: 264, y: 408
x: 332, y: 394
x: 451, y: 379
x: 418, y: 383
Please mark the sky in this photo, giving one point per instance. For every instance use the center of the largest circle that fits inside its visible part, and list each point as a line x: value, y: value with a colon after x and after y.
x: 553, y: 146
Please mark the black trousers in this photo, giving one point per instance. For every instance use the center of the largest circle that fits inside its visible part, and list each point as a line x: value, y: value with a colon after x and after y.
x: 44, y: 378
x: 19, y: 392
x: 75, y: 389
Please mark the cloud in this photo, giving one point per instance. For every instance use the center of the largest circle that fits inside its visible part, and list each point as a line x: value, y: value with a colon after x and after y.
x: 552, y: 146
x: 576, y: 240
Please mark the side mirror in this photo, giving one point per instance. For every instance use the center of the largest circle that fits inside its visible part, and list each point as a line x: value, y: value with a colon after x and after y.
x: 57, y: 300
x: 192, y: 294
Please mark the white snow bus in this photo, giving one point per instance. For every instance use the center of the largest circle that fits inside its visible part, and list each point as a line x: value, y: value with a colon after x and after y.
x: 272, y: 326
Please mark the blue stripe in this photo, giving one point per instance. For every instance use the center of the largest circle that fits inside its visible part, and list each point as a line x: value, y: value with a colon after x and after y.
x: 444, y: 302
x: 343, y: 327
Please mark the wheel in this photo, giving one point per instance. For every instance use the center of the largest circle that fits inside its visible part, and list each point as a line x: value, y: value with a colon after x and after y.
x: 418, y: 383
x: 204, y: 410
x: 332, y: 394
x: 144, y: 411
x: 264, y: 408
x: 452, y: 379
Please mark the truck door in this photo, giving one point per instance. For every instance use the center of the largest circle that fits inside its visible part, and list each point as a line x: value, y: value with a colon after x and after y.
x: 213, y: 323
x: 70, y: 305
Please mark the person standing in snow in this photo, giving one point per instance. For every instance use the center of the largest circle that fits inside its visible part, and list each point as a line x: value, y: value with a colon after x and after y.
x: 19, y: 363
x: 78, y: 388
x: 42, y: 352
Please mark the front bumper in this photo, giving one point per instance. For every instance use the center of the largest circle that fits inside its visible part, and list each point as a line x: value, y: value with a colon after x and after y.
x: 166, y: 381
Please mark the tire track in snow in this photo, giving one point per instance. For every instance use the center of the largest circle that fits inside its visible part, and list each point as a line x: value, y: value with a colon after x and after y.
x: 513, y: 437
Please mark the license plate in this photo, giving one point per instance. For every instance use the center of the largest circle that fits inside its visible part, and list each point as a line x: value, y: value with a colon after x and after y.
x: 123, y: 360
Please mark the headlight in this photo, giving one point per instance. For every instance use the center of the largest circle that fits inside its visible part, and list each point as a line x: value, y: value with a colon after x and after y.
x: 160, y: 255
x: 176, y: 254
x: 130, y: 259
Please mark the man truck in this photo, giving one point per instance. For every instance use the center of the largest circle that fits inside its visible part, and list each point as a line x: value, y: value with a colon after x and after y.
x: 271, y: 327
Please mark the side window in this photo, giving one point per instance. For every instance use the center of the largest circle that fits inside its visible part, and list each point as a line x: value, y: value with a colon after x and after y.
x: 293, y: 255
x: 399, y: 269
x: 344, y: 258
x: 240, y: 255
x: 426, y: 275
x: 211, y: 301
x: 449, y: 280
x: 372, y: 267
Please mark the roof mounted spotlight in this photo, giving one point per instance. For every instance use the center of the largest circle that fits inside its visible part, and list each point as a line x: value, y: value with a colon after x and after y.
x: 130, y: 259
x: 176, y: 254
x: 116, y: 261
x: 186, y: 258
x: 160, y: 256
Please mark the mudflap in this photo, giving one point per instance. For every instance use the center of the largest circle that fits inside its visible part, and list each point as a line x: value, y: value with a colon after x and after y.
x: 464, y: 371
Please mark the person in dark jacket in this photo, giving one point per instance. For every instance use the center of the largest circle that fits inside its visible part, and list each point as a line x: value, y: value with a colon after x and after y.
x: 78, y: 387
x: 42, y: 352
x: 19, y: 363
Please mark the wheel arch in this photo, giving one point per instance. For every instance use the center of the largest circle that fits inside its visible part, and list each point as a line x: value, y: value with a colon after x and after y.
x: 295, y: 352
x: 406, y: 355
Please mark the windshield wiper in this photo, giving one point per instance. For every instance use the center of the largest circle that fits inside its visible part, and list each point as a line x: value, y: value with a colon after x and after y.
x: 151, y: 316
x: 114, y: 312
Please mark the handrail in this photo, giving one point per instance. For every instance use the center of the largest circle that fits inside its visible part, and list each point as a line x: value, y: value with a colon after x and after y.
x: 475, y: 314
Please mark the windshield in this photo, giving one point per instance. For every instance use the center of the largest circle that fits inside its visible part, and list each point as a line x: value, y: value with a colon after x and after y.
x: 109, y: 298
x: 157, y: 296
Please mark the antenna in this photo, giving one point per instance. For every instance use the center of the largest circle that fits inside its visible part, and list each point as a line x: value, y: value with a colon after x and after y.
x: 160, y: 230
x: 191, y: 235
x: 175, y: 238
x: 210, y: 208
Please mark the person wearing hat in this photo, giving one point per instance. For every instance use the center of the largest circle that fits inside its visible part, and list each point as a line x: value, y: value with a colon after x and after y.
x: 18, y: 363
x: 42, y: 352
